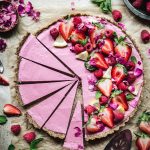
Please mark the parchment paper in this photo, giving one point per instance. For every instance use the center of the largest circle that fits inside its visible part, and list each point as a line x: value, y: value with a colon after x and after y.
x: 50, y: 11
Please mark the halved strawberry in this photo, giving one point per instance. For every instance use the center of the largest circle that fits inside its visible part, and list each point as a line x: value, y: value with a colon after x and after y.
x: 65, y: 29
x: 77, y: 36
x: 118, y: 73
x: 124, y: 51
x: 105, y: 86
x: 121, y: 100
x: 118, y: 116
x: 108, y: 47
x: 100, y: 61
x: 11, y: 110
x: 107, y: 116
x: 3, y: 81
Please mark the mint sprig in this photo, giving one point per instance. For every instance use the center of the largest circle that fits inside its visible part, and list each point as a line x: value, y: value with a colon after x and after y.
x: 115, y: 93
x: 83, y: 42
x: 98, y: 94
x: 34, y: 143
x: 98, y: 25
x: 133, y: 59
x: 11, y: 147
x: 3, y: 119
x: 129, y: 97
x: 105, y: 5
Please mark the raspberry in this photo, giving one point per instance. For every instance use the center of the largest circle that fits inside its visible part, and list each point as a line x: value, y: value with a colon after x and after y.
x: 145, y: 36
x: 77, y: 21
x: 122, y: 86
x: 148, y: 7
x: 88, y: 47
x: 111, y: 61
x: 131, y: 78
x: 109, y: 33
x: 103, y: 100
x: 15, y: 129
x: 78, y: 48
x: 98, y: 73
x: 137, y: 3
x: 130, y: 65
x: 89, y: 109
x: 54, y: 33
x: 117, y: 15
x: 29, y: 137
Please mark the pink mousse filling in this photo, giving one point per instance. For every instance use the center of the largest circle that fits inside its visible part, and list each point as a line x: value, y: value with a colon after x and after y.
x: 60, y: 119
x: 29, y: 71
x: 69, y: 58
x: 38, y: 90
x: 74, y: 137
x: 33, y: 50
x: 43, y: 110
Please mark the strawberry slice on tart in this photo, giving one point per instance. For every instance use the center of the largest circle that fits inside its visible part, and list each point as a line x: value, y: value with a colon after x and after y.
x: 118, y: 73
x: 65, y: 29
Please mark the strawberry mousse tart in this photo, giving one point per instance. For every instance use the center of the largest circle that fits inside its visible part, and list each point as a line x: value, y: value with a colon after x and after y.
x: 86, y: 52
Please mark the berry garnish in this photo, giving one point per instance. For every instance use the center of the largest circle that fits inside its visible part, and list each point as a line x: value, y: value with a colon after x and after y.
x: 145, y: 36
x: 29, y: 137
x: 103, y: 100
x: 98, y: 73
x: 109, y: 33
x: 122, y: 86
x: 15, y: 129
x: 117, y: 15
x: 54, y: 33
x: 77, y: 21
x: 130, y: 65
x: 88, y: 47
x: 78, y: 48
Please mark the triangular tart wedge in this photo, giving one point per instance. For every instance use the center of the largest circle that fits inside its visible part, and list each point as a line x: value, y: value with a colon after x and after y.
x: 58, y: 122
x: 74, y: 136
x: 33, y: 50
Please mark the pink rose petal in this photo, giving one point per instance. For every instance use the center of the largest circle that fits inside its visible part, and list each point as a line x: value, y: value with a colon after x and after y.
x: 138, y: 72
x: 3, y: 45
x: 21, y: 10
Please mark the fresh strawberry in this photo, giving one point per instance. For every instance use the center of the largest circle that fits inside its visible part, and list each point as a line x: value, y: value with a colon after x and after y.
x: 103, y: 100
x: 92, y: 128
x: 11, y: 110
x: 121, y: 100
x: 108, y: 47
x: 144, y: 122
x: 65, y: 29
x: 109, y: 33
x: 29, y: 137
x: 98, y: 73
x: 117, y: 15
x: 123, y: 50
x: 122, y: 86
x: 15, y: 129
x: 77, y: 36
x: 118, y: 116
x: 143, y: 142
x: 105, y: 86
x: 3, y: 81
x: 89, y: 109
x: 107, y: 116
x: 100, y: 61
x: 118, y: 73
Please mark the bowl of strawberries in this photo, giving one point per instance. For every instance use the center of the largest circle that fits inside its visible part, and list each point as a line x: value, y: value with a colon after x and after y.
x: 140, y: 8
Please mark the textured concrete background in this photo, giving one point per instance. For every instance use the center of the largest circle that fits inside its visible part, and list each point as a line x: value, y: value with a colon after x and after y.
x: 50, y: 11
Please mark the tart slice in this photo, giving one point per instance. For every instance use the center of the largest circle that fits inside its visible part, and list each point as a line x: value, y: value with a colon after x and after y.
x: 30, y: 93
x: 33, y: 50
x: 58, y: 122
x: 30, y: 71
x: 39, y: 113
x: 74, y: 135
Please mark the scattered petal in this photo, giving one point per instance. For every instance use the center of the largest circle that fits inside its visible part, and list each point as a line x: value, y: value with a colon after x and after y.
x: 29, y: 8
x: 91, y: 79
x: 78, y: 132
x: 122, y: 26
x: 131, y: 88
x: 80, y: 147
x: 36, y: 15
x: 3, y: 45
x: 21, y: 10
x: 113, y: 106
x: 21, y: 1
x: 133, y: 103
x: 139, y: 63
x: 138, y: 72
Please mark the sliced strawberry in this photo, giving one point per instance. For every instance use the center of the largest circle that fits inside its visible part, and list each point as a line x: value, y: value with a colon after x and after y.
x: 118, y: 116
x: 3, y: 81
x: 107, y: 117
x: 11, y: 110
x: 100, y: 61
x: 91, y: 128
x: 65, y: 29
x: 108, y: 47
x: 77, y: 36
x: 105, y: 86
x: 118, y: 73
x: 121, y: 100
x: 89, y: 109
x: 124, y: 51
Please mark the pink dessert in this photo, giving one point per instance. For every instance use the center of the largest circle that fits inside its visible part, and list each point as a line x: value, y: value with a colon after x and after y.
x: 33, y: 50
x: 74, y: 136
x: 59, y: 120
x: 43, y: 110
x: 38, y: 90
x: 37, y: 72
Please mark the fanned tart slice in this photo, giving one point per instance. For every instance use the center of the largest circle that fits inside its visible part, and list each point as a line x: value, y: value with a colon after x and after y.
x: 39, y: 113
x: 57, y: 124
x: 74, y: 137
x: 33, y: 50
x: 38, y: 73
x: 30, y: 93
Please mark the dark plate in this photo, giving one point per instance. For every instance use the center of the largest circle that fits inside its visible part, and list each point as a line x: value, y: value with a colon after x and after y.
x: 137, y: 12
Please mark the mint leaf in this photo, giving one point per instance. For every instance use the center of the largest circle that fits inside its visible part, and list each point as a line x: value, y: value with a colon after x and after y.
x: 33, y: 145
x: 11, y: 147
x: 68, y: 17
x: 115, y: 93
x: 83, y: 42
x: 129, y: 96
x: 89, y: 67
x: 133, y: 59
x: 98, y: 94
x: 98, y: 25
x: 3, y: 119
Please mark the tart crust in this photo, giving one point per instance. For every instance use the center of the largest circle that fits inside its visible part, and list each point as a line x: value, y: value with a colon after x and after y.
x: 59, y: 135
